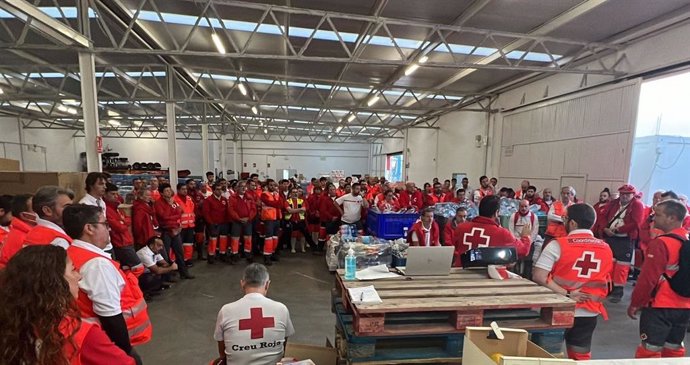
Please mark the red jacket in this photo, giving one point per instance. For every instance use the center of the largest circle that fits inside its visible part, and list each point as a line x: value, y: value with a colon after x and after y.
x: 198, y: 199
x: 634, y: 217
x: 537, y: 200
x: 144, y: 222
x: 328, y: 212
x: 419, y: 230
x: 485, y: 232
x: 313, y: 207
x: 14, y: 240
x: 120, y: 236
x: 449, y: 232
x: 241, y: 207
x: 408, y: 200
x: 215, y: 210
x: 433, y: 199
x: 169, y: 215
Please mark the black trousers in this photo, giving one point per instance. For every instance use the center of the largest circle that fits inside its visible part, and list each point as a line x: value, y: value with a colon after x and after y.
x: 174, y: 242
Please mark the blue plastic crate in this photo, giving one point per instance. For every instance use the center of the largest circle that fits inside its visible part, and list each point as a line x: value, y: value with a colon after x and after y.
x: 389, y: 225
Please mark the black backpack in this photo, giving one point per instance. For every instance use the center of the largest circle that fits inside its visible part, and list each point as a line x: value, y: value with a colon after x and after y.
x: 680, y: 282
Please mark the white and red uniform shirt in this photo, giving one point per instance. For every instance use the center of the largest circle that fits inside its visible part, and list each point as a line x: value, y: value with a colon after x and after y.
x: 254, y: 330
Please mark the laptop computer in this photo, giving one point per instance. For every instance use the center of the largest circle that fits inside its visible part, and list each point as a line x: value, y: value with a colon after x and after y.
x: 425, y: 261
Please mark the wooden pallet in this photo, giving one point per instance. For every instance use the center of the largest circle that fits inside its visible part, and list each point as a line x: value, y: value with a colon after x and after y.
x: 464, y: 298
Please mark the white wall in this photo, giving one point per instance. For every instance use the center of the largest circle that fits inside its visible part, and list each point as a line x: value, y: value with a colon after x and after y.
x: 309, y: 158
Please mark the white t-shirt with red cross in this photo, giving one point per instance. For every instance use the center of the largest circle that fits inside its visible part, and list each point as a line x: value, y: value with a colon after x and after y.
x: 254, y: 330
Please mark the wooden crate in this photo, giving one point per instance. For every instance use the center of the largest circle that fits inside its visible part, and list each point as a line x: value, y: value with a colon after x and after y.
x: 463, y: 298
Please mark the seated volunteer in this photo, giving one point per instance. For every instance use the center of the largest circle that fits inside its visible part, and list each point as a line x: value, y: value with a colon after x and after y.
x: 425, y: 232
x: 107, y: 295
x: 484, y: 231
x: 39, y: 315
x: 156, y: 269
x: 578, y: 266
x: 254, y: 329
x: 48, y: 203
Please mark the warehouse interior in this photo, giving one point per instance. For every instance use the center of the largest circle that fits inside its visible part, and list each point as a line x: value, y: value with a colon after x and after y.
x: 550, y: 91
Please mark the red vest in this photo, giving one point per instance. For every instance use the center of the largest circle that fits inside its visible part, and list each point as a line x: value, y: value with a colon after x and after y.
x: 434, y: 234
x: 553, y: 228
x: 131, y: 299
x: 586, y: 263
x: 188, y: 216
x: 73, y: 352
x: 269, y: 213
x: 41, y: 235
x: 665, y: 297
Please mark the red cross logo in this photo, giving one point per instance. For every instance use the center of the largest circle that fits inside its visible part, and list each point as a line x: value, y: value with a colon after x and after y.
x: 586, y: 265
x: 476, y: 238
x: 257, y: 323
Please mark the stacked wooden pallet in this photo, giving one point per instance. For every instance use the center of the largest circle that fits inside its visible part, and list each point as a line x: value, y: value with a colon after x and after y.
x: 423, y: 318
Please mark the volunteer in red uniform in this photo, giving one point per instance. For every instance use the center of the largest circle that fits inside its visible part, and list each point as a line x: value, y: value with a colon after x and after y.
x: 23, y: 219
x: 313, y: 222
x: 187, y: 222
x: 49, y: 330
x: 555, y: 227
x: 107, y: 295
x: 153, y: 188
x: 485, y: 189
x: 340, y: 191
x: 144, y: 221
x: 484, y: 231
x: 425, y: 232
x: 604, y: 199
x: 198, y: 198
x: 215, y: 211
x: 295, y: 214
x: 5, y: 217
x: 579, y: 267
x: 120, y: 234
x: 48, y: 203
x: 169, y: 216
x: 450, y: 226
x: 272, y: 206
x: 522, y: 192
x: 329, y: 214
x: 664, y: 314
x: 411, y: 198
x: 389, y: 203
x: 620, y: 229
x: 532, y: 197
x: 241, y: 210
x: 436, y: 197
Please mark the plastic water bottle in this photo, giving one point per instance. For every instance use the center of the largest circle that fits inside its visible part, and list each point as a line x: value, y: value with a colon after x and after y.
x: 350, y: 265
x: 405, y: 229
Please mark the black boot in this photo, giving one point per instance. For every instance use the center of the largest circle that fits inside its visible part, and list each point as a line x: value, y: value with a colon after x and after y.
x: 235, y: 258
x: 250, y: 258
x: 211, y: 259
x: 186, y: 275
x: 224, y: 257
x: 267, y: 260
x: 616, y: 294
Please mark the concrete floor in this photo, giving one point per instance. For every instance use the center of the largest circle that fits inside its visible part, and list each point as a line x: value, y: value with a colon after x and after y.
x: 184, y: 317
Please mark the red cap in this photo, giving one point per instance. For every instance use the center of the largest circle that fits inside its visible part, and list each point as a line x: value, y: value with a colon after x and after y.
x: 626, y: 189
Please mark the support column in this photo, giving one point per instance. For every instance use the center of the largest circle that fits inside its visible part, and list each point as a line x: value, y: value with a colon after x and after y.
x: 89, y: 106
x: 234, y: 160
x: 224, y: 154
x: 204, y: 148
x: 172, y: 131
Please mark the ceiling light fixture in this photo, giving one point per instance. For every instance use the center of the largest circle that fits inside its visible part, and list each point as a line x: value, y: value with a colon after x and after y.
x: 255, y: 110
x: 218, y: 43
x: 112, y: 113
x: 413, y: 67
x: 1, y: 91
x: 340, y: 128
x: 329, y: 136
x: 62, y: 108
x: 138, y: 123
x: 72, y: 111
x: 114, y: 123
x: 243, y: 89
x: 423, y: 59
x: 373, y: 100
x: 351, y: 117
x: 265, y: 130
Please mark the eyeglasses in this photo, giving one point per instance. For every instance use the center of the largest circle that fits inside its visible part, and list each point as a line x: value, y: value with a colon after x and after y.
x: 103, y: 223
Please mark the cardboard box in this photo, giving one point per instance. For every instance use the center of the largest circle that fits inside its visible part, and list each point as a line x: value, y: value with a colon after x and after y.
x: 515, y: 348
x: 29, y: 182
x: 9, y: 165
x: 319, y: 355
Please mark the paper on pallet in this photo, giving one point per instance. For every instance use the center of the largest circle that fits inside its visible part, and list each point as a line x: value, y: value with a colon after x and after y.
x: 515, y: 347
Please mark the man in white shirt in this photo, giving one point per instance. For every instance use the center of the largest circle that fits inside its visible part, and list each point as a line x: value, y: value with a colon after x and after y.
x: 521, y: 218
x: 48, y: 203
x: 95, y: 190
x: 156, y: 269
x: 352, y: 204
x: 254, y: 329
x: 107, y: 295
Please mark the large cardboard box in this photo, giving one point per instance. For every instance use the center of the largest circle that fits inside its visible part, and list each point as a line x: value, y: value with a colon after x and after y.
x: 515, y: 349
x: 319, y: 355
x: 28, y: 182
x: 9, y: 165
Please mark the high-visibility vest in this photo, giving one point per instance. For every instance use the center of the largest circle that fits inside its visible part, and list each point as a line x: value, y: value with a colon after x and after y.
x: 42, y: 235
x: 73, y: 353
x: 188, y: 216
x: 269, y: 213
x: 665, y: 297
x: 553, y: 228
x: 131, y: 299
x: 586, y: 263
x: 292, y: 205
